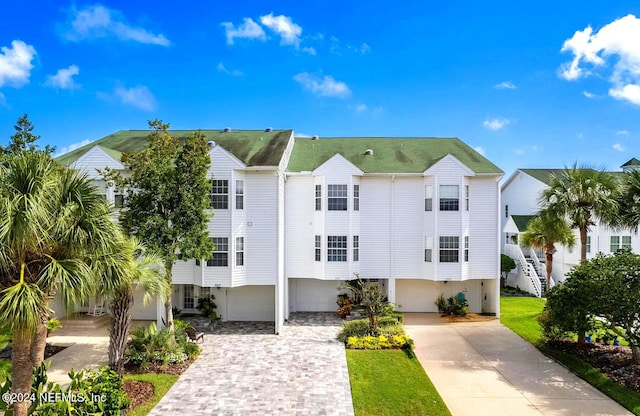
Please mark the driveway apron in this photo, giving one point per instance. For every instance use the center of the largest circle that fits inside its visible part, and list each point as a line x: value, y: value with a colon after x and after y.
x: 244, y: 369
x: 483, y: 368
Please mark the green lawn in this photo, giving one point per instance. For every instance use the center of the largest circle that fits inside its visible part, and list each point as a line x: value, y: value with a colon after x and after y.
x: 161, y: 384
x: 387, y: 382
x: 520, y: 313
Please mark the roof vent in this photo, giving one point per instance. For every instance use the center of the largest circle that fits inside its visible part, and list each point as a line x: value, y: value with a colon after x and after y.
x: 368, y: 152
x: 211, y: 143
x: 227, y: 129
x: 268, y: 129
x: 315, y: 137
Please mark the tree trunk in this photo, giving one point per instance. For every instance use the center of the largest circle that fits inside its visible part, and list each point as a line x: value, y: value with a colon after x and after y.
x: 635, y: 353
x: 38, y: 345
x: 168, y: 305
x: 583, y: 243
x: 581, y: 337
x: 549, y: 267
x: 21, y: 370
x: 119, y: 329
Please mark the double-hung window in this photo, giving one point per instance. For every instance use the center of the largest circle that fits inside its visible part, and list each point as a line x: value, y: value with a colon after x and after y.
x: 239, y: 194
x: 337, y: 248
x: 220, y: 255
x: 466, y: 248
x: 239, y: 251
x: 466, y: 197
x: 356, y: 248
x: 428, y: 249
x: 318, y: 247
x: 449, y: 197
x: 318, y: 197
x: 449, y: 249
x: 356, y: 197
x: 220, y: 194
x: 337, y: 195
x: 620, y: 243
x: 428, y: 197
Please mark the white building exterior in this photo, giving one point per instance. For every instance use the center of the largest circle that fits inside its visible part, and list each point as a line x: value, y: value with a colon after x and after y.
x: 294, y: 218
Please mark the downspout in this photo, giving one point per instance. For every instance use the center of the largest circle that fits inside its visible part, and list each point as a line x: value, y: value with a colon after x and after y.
x: 391, y: 282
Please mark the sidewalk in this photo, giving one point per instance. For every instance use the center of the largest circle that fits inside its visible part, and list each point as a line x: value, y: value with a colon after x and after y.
x: 483, y: 368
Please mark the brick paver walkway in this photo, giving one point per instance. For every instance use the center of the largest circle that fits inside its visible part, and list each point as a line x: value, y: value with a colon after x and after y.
x: 246, y: 370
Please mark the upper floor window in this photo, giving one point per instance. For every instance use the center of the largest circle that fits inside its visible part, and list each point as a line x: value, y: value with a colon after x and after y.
x: 318, y: 197
x: 616, y: 245
x: 220, y: 255
x: 318, y: 247
x: 428, y: 249
x: 220, y: 194
x: 588, y: 244
x: 337, y: 248
x: 449, y: 249
x: 466, y: 248
x: 449, y: 197
x: 239, y: 194
x: 239, y: 251
x: 356, y: 197
x: 356, y: 248
x: 466, y: 197
x: 428, y: 197
x: 337, y: 197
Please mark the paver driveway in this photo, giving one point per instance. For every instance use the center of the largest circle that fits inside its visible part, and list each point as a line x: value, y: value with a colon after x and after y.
x: 246, y: 370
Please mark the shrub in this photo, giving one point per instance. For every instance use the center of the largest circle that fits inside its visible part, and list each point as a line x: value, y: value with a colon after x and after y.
x: 381, y: 342
x: 360, y: 327
x: 153, y: 345
x: 550, y: 330
x: 207, y: 307
x: 455, y: 305
x: 344, y: 305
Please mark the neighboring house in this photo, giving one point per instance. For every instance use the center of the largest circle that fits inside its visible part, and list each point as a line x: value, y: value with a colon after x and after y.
x: 297, y: 217
x: 519, y: 194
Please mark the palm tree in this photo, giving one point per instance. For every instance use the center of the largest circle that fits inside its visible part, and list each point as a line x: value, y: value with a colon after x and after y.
x: 142, y: 269
x: 630, y: 200
x: 53, y: 225
x: 583, y: 196
x: 543, y: 232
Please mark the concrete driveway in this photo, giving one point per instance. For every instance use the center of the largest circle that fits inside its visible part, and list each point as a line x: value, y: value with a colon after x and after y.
x: 483, y: 368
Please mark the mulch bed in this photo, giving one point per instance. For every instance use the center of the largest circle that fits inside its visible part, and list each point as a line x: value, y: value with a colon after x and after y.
x: 614, y: 362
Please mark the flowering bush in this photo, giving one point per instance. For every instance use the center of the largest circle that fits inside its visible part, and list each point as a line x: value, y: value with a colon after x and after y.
x: 380, y: 342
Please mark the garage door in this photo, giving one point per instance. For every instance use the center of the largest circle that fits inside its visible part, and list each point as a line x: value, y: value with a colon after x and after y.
x: 312, y: 295
x: 251, y: 303
x: 416, y: 295
x: 142, y: 311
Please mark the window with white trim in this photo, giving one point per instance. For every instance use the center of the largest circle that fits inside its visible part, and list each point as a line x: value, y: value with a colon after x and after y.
x: 466, y: 248
x: 356, y: 197
x: 188, y: 299
x: 239, y: 251
x: 449, y: 249
x: 615, y: 245
x: 466, y: 197
x: 337, y: 195
x: 428, y: 249
x: 220, y: 255
x: 588, y: 244
x: 204, y: 293
x: 239, y: 194
x: 449, y: 197
x: 428, y: 197
x: 318, y: 247
x: 220, y: 194
x: 318, y: 197
x: 356, y: 248
x: 337, y: 248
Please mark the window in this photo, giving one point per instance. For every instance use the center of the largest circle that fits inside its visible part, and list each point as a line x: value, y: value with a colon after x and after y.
x: 466, y: 248
x: 466, y: 197
x: 239, y: 194
x: 356, y: 248
x: 220, y: 255
x: 428, y: 198
x: 118, y: 201
x: 318, y: 248
x: 449, y: 197
x: 239, y: 251
x: 204, y: 293
x: 356, y: 197
x: 428, y: 249
x: 197, y: 262
x: 615, y: 243
x: 318, y: 197
x: 588, y: 244
x: 506, y: 211
x: 188, y: 301
x: 626, y: 242
x: 337, y: 248
x: 449, y: 249
x: 337, y: 198
x: 220, y: 194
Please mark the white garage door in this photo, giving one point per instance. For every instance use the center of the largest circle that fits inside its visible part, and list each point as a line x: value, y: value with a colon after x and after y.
x: 140, y: 310
x: 416, y: 295
x: 251, y: 303
x: 312, y: 295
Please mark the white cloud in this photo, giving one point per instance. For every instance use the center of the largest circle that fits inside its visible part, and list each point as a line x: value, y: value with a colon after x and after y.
x: 288, y: 31
x: 519, y: 152
x: 359, y: 108
x: 63, y: 79
x: 96, y: 21
x: 616, y: 44
x: 310, y: 50
x: 505, y: 85
x: 15, y: 63
x: 72, y: 147
x: 325, y: 86
x: 247, y: 30
x: 138, y: 97
x: 588, y: 94
x: 580, y: 135
x: 225, y: 70
x: 479, y: 149
x: 622, y: 132
x: 495, y: 123
x: 618, y: 147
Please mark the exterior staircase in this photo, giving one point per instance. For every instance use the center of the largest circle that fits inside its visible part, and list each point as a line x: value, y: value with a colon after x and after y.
x: 533, y: 282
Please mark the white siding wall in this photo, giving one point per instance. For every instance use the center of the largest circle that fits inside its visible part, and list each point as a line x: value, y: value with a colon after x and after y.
x: 95, y: 158
x: 261, y: 202
x: 375, y: 226
x: 483, y: 228
x: 299, y: 224
x: 521, y: 195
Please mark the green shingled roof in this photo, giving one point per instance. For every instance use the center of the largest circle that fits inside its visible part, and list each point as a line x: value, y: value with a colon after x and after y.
x: 252, y: 147
x: 522, y: 221
x: 543, y: 175
x: 390, y: 155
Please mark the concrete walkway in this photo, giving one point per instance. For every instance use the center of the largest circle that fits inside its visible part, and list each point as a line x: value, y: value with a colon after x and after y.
x: 483, y: 368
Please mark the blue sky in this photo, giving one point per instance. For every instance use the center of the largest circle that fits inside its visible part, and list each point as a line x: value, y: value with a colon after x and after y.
x: 541, y: 84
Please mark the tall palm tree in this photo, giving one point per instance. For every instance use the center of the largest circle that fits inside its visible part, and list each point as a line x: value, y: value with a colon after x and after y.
x: 53, y: 226
x: 630, y: 200
x: 543, y: 232
x: 141, y: 269
x: 583, y: 196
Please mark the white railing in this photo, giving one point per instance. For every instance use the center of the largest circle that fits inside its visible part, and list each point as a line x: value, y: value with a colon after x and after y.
x: 531, y: 281
x: 541, y: 269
